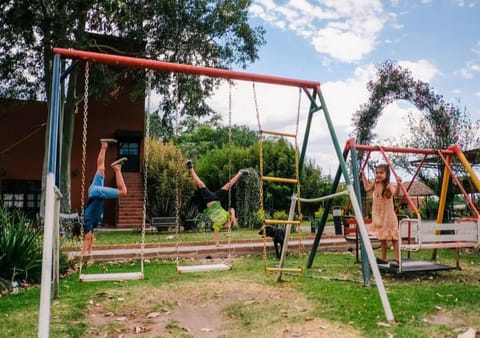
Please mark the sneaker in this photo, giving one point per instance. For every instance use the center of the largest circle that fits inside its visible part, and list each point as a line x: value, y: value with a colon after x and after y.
x: 108, y: 140
x: 120, y: 161
x: 381, y: 261
x: 244, y: 172
x: 189, y: 164
x: 394, y: 263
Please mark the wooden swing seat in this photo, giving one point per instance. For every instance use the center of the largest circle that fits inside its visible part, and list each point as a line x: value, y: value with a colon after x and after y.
x: 203, y: 268
x: 287, y: 270
x: 119, y: 276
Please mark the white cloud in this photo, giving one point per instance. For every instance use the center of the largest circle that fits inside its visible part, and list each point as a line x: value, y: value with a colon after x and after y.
x: 422, y: 70
x: 278, y: 109
x: 345, y: 30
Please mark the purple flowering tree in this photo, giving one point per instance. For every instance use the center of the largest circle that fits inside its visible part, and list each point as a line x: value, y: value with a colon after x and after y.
x: 440, y: 124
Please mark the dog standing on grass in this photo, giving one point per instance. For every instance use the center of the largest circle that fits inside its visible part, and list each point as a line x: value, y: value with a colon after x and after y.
x: 277, y: 235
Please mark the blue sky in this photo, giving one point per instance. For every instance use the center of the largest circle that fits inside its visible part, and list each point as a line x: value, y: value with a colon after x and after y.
x: 338, y: 43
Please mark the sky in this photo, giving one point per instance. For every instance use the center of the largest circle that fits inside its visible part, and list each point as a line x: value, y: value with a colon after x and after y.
x: 338, y: 43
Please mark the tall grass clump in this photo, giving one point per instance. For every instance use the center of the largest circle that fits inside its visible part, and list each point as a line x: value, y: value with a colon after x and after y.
x: 20, y: 250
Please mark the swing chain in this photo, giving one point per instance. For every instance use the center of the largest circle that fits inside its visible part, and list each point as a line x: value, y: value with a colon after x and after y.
x: 297, y: 158
x: 297, y: 174
x: 229, y: 233
x: 260, y: 153
x: 84, y: 135
x: 84, y: 154
x: 146, y: 157
x: 175, y: 93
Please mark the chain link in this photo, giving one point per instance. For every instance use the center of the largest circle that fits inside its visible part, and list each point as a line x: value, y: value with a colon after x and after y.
x: 146, y: 160
x: 175, y: 94
x: 297, y: 174
x: 84, y: 155
x: 260, y: 154
x: 229, y: 233
x: 84, y: 135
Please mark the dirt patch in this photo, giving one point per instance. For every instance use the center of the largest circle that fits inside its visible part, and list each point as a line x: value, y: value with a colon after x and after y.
x: 223, y: 308
x: 458, y: 321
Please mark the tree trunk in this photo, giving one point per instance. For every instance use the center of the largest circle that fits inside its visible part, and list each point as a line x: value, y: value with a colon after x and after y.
x: 68, y: 130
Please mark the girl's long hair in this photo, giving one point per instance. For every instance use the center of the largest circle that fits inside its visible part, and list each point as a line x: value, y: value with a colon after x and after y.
x: 386, y: 193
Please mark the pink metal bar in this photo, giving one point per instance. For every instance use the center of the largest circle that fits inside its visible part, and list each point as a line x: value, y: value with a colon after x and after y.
x: 364, y: 147
x: 405, y: 191
x: 182, y: 68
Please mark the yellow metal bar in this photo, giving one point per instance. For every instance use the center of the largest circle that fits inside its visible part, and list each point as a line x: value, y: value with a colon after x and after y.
x: 468, y: 167
x: 288, y: 270
x: 279, y: 179
x: 443, y: 192
x: 280, y: 221
x: 277, y: 133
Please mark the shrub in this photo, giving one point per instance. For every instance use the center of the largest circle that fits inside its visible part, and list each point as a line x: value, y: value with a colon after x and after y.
x: 166, y: 166
x: 20, y: 249
x: 280, y: 215
x: 319, y: 214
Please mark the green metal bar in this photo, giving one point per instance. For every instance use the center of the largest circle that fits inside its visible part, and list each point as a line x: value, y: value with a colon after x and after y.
x: 326, y: 210
x: 359, y: 217
x: 356, y: 185
x: 313, y: 108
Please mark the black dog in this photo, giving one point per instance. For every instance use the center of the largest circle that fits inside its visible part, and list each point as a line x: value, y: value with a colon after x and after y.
x: 277, y: 234
x: 76, y: 230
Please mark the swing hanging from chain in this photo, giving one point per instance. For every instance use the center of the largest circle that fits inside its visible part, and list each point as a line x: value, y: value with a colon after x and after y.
x: 115, y: 276
x: 223, y: 266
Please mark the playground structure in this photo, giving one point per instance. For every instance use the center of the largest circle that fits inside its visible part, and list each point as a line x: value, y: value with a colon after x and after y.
x: 415, y: 233
x: 310, y: 88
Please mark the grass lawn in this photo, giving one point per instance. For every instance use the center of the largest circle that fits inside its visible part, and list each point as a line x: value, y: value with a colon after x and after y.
x: 328, y: 300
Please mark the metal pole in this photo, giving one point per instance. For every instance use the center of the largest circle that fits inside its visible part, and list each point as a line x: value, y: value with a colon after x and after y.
x: 183, y: 68
x: 359, y: 217
x: 45, y: 287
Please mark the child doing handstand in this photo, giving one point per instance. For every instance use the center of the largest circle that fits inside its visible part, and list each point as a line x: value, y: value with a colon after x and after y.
x: 97, y: 193
x: 215, y: 212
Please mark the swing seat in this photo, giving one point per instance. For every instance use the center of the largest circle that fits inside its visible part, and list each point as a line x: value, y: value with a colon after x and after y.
x: 286, y: 270
x: 102, y: 277
x: 203, y: 268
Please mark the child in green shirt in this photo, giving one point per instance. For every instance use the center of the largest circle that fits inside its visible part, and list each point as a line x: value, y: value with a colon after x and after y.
x: 215, y: 212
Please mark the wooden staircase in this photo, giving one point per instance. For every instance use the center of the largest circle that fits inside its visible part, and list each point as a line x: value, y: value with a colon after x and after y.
x: 130, y: 207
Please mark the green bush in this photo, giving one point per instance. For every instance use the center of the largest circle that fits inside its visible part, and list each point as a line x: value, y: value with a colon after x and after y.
x: 20, y: 249
x: 167, y: 168
x: 280, y: 215
x: 319, y: 214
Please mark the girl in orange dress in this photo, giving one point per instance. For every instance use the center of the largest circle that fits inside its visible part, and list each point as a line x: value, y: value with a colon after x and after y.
x: 384, y: 219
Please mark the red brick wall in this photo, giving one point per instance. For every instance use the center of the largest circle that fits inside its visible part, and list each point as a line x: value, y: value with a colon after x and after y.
x: 18, y: 119
x: 25, y: 160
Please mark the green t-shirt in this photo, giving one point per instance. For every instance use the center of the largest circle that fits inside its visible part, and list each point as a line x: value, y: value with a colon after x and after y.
x: 217, y: 215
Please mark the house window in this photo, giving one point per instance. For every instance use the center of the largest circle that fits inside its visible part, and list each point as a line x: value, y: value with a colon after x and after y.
x: 130, y: 150
x: 13, y: 200
x: 127, y: 149
x: 23, y: 195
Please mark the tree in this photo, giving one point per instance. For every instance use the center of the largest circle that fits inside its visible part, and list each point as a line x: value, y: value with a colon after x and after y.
x: 202, y: 137
x: 204, y: 32
x: 216, y: 159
